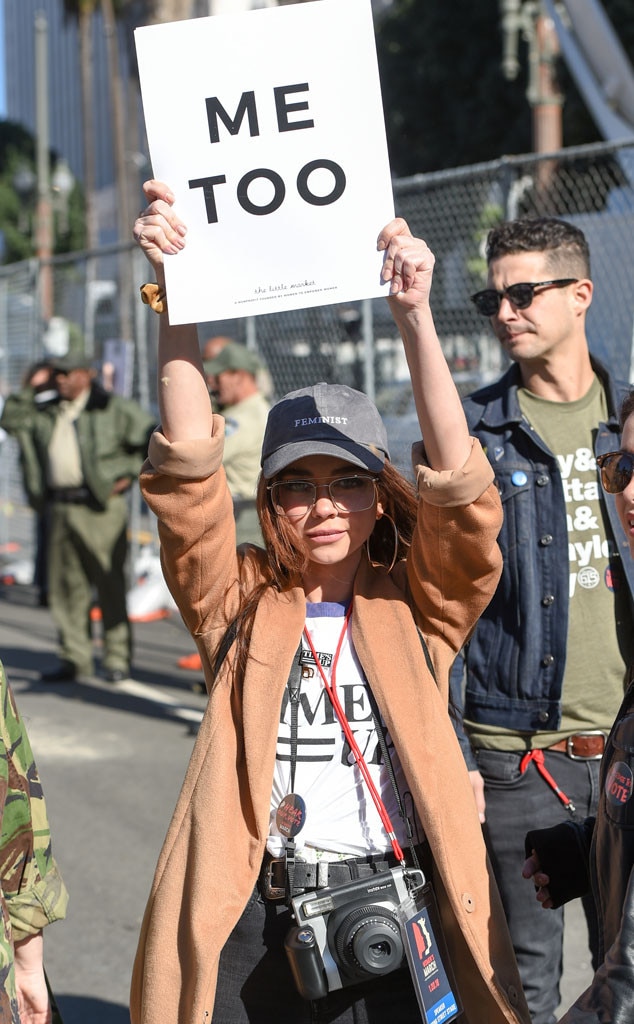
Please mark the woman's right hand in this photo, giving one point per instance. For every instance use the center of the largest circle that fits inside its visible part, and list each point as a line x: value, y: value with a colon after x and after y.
x: 157, y: 229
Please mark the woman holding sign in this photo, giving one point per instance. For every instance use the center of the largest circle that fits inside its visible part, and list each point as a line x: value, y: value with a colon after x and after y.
x: 326, y: 800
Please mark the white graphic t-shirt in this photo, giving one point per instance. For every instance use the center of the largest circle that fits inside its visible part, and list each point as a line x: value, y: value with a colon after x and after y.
x: 341, y: 817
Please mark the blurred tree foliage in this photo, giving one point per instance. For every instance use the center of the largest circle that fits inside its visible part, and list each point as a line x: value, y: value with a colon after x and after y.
x: 17, y: 211
x: 445, y: 97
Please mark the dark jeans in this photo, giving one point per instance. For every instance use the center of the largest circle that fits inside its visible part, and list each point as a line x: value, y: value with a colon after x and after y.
x: 255, y: 985
x: 514, y: 804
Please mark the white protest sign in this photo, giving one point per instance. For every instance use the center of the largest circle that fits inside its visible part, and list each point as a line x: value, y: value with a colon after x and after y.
x: 268, y: 127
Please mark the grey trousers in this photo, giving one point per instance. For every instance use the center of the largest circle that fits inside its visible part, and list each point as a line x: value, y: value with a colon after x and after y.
x: 516, y: 803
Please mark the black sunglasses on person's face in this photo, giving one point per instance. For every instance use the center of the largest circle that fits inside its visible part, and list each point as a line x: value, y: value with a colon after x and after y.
x: 617, y: 469
x: 520, y: 295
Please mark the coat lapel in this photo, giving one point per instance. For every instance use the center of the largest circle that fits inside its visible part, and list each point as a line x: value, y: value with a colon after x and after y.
x: 276, y: 633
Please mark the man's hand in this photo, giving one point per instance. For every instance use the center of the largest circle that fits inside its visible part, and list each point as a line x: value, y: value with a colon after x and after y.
x: 121, y: 485
x: 477, y: 785
x: 33, y: 1002
x: 541, y: 881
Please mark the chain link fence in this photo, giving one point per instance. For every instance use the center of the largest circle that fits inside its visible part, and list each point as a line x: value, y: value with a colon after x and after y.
x: 94, y: 298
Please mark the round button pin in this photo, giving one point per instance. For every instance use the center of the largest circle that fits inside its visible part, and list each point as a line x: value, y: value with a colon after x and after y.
x: 519, y: 478
x: 291, y: 815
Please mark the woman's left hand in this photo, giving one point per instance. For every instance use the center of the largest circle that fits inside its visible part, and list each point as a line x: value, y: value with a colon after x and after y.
x: 408, y: 266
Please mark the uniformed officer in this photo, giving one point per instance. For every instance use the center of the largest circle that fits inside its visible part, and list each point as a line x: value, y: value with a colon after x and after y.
x: 233, y: 384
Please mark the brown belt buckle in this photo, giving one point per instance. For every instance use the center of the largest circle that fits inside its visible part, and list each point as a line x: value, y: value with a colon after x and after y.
x: 270, y: 891
x: 580, y: 757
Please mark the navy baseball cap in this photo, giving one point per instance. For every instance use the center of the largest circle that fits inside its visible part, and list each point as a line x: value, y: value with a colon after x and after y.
x: 325, y: 419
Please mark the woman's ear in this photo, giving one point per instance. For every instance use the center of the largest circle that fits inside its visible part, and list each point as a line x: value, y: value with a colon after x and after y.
x: 380, y: 511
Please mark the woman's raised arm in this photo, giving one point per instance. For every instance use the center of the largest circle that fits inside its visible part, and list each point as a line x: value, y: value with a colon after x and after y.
x: 182, y: 391
x: 409, y: 266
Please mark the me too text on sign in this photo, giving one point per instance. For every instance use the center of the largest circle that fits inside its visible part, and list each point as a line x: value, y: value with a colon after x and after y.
x: 247, y: 108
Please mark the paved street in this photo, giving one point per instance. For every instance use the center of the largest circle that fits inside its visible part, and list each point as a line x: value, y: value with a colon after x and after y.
x: 112, y: 759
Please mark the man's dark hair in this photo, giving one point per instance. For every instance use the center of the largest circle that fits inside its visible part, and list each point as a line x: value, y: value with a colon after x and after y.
x: 627, y: 407
x: 564, y: 246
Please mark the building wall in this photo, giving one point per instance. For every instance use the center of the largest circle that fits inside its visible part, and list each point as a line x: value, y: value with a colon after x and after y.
x: 65, y: 127
x: 64, y: 81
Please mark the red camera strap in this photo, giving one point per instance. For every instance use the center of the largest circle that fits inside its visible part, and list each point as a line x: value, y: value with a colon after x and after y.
x: 331, y: 690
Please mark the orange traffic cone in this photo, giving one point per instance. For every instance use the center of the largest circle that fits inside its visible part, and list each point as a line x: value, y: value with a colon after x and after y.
x: 191, y: 661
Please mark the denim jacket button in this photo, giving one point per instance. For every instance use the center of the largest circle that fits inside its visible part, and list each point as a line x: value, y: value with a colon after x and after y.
x: 546, y: 539
x: 543, y: 716
x: 547, y: 660
x: 547, y: 600
x: 542, y: 480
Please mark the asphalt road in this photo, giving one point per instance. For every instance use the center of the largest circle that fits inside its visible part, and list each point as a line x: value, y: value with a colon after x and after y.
x: 112, y: 759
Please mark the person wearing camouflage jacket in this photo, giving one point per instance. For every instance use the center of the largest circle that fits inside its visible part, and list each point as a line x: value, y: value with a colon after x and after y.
x: 32, y: 891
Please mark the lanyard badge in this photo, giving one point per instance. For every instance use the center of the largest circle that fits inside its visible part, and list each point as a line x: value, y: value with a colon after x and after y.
x: 427, y: 957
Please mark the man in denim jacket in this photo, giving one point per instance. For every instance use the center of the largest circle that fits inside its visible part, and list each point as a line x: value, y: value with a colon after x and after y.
x: 540, y: 694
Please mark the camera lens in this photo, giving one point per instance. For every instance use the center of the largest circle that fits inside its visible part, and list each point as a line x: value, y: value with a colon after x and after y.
x: 368, y: 941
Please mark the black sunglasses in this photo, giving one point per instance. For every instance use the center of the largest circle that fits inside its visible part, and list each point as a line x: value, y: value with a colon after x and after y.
x: 617, y: 469
x: 519, y: 295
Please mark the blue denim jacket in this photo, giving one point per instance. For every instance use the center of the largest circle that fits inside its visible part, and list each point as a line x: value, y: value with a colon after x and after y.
x: 516, y: 656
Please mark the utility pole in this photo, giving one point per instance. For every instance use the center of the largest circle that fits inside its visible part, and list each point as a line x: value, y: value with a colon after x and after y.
x: 44, y: 210
x: 530, y: 19
x: 544, y: 95
x: 121, y: 167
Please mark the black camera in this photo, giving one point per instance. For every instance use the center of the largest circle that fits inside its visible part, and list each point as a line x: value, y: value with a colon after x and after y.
x: 350, y: 933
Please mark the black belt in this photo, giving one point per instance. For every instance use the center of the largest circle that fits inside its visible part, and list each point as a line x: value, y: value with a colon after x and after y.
x: 272, y: 880
x: 70, y: 495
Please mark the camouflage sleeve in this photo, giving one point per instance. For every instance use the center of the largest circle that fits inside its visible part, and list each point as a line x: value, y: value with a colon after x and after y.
x: 31, y: 884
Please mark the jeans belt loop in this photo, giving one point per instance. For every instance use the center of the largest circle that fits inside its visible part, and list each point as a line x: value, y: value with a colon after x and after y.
x: 322, y: 874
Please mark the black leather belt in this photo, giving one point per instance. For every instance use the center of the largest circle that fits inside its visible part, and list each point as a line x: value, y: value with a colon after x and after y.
x: 70, y: 495
x: 272, y: 880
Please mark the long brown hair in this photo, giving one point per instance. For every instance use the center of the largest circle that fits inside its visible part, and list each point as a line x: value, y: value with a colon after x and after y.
x: 287, y: 557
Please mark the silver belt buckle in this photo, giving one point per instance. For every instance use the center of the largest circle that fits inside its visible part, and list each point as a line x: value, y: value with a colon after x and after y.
x: 587, y: 732
x: 270, y: 891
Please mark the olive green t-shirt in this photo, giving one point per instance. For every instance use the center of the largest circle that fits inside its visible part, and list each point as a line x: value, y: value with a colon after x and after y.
x: 600, y: 635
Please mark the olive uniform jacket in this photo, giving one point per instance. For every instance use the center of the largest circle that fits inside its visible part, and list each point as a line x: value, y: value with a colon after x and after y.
x: 112, y: 433
x: 213, y: 852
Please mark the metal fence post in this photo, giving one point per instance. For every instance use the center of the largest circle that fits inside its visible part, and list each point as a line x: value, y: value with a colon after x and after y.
x: 367, y: 333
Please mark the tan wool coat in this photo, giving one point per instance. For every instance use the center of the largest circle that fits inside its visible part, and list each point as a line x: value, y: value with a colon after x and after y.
x: 214, y: 847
